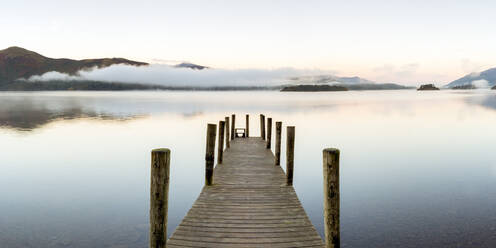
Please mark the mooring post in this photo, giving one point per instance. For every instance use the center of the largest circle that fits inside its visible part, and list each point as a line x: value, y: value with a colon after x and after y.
x: 290, y: 131
x: 228, y: 144
x: 210, y: 154
x: 262, y: 126
x: 269, y: 132
x: 159, y: 196
x: 233, y: 135
x: 278, y: 142
x: 247, y: 125
x: 220, y: 145
x: 331, y: 197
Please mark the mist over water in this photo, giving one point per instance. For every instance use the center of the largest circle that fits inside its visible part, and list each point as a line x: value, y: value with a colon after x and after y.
x: 417, y: 168
x: 171, y: 76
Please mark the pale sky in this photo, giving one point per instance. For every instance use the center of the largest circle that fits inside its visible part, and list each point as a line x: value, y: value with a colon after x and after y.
x: 385, y: 41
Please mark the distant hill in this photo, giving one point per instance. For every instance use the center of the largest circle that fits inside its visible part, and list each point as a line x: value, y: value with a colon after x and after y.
x: 330, y: 79
x: 314, y: 83
x: 343, y: 87
x: 389, y: 86
x: 488, y: 75
x: 313, y: 88
x: 464, y: 87
x: 17, y: 62
x: 191, y: 66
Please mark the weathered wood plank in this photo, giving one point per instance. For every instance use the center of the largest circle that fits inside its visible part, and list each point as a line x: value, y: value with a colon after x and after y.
x: 249, y: 204
x: 251, y: 240
x: 249, y: 231
x: 245, y: 226
x: 301, y: 233
x: 306, y: 243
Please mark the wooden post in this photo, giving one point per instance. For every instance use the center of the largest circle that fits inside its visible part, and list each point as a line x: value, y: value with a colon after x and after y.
x: 269, y: 132
x: 290, y: 131
x: 210, y: 154
x: 278, y: 142
x: 262, y: 126
x: 228, y: 137
x: 331, y: 198
x: 220, y: 145
x: 159, y: 196
x: 247, y: 125
x: 233, y: 135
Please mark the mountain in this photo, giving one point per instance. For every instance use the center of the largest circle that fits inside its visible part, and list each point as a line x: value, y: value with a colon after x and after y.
x: 343, y: 87
x: 488, y: 75
x: 191, y: 66
x: 17, y: 62
x: 330, y: 79
x: 314, y: 88
x: 315, y: 83
x: 366, y: 86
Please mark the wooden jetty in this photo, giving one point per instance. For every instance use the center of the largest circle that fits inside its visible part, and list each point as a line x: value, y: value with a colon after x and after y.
x: 248, y: 200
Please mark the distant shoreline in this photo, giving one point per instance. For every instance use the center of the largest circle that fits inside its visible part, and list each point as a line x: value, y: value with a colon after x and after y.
x: 343, y: 87
x: 84, y: 85
x: 58, y: 85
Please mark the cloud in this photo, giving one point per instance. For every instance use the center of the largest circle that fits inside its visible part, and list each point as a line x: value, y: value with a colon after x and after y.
x: 480, y: 84
x: 475, y: 74
x: 53, y: 75
x: 401, y: 71
x: 469, y: 66
x: 170, y: 76
x: 390, y: 73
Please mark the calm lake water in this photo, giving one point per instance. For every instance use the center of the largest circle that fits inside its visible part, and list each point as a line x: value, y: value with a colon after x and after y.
x: 417, y: 168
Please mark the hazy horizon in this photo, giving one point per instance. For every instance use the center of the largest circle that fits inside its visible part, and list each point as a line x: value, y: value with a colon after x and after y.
x: 175, y: 74
x: 401, y: 41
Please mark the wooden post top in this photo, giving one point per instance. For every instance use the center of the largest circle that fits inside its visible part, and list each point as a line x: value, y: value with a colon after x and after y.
x: 331, y: 150
x: 161, y: 150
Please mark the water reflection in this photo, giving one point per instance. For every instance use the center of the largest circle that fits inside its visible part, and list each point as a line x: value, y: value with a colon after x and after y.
x: 25, y: 115
x: 487, y: 101
x: 417, y: 166
x: 26, y: 112
x: 29, y: 111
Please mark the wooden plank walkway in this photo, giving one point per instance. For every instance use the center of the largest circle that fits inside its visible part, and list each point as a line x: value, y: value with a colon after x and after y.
x: 249, y: 205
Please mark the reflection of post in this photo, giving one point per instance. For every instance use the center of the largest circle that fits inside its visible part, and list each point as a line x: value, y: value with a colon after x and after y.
x: 210, y: 154
x: 233, y: 135
x: 278, y: 142
x: 159, y: 196
x: 290, y: 132
x: 220, y: 145
x: 228, y: 144
x: 331, y: 197
x: 247, y: 125
x: 269, y: 132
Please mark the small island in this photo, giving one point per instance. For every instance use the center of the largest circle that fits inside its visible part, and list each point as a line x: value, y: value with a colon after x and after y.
x: 493, y: 88
x: 428, y: 87
x: 311, y: 88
